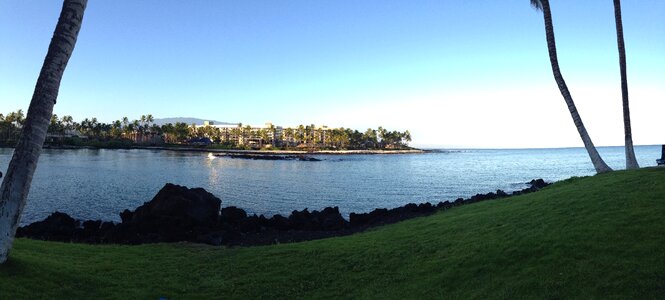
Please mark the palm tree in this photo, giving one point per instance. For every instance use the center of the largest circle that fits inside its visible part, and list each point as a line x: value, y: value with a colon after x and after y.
x: 300, y: 134
x: 631, y: 161
x: 14, y: 119
x: 181, y: 131
x: 149, y: 119
x: 273, y: 137
x: 55, y: 125
x: 10, y: 119
x: 169, y: 132
x: 263, y: 135
x: 371, y: 137
x: 236, y: 132
x: 246, y: 134
x: 311, y: 134
x: 20, y: 118
x: 95, y: 127
x: 289, y: 136
x: 116, y: 129
x: 16, y: 184
x: 68, y: 122
x: 136, y: 128
x: 597, y: 161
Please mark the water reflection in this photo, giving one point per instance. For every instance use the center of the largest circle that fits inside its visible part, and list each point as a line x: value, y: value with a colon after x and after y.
x: 98, y: 184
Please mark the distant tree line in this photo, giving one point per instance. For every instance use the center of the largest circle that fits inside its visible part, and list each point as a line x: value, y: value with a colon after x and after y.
x: 143, y: 131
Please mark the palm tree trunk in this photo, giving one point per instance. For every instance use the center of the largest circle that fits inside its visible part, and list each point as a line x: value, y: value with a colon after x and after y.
x: 16, y: 184
x: 597, y: 161
x: 631, y: 161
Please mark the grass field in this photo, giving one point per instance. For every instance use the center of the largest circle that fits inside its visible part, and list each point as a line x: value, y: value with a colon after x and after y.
x: 594, y: 237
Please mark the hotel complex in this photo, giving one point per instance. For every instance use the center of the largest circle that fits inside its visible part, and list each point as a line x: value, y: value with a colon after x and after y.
x: 268, y: 135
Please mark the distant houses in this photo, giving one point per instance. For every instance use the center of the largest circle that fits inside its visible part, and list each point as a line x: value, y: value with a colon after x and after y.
x: 125, y: 133
x: 254, y: 136
x: 302, y: 136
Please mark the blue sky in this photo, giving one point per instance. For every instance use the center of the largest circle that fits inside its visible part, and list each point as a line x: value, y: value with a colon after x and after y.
x: 455, y: 73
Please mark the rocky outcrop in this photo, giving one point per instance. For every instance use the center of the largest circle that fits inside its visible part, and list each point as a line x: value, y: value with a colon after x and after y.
x: 56, y: 227
x: 178, y: 213
x: 268, y: 156
x: 174, y: 203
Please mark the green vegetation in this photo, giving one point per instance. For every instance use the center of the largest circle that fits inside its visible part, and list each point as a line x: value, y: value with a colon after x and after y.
x: 125, y: 133
x: 594, y: 237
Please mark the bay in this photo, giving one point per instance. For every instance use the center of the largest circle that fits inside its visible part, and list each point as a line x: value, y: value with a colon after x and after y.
x: 100, y: 183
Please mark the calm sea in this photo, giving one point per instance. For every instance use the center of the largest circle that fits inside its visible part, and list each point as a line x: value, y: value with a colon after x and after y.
x: 98, y: 184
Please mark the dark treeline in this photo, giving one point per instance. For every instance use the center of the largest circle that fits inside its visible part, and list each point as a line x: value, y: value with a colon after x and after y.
x: 125, y: 133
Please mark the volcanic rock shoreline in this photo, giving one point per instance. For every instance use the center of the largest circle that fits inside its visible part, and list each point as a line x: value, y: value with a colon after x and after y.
x: 178, y: 214
x: 267, y: 156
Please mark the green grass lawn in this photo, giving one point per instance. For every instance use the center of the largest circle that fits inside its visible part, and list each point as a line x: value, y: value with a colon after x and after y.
x: 594, y: 237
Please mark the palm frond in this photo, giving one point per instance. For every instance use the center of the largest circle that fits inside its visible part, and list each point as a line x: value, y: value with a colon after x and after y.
x: 537, y: 4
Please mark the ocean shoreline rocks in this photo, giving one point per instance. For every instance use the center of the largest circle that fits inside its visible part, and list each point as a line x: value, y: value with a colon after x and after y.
x: 178, y: 213
x: 261, y: 156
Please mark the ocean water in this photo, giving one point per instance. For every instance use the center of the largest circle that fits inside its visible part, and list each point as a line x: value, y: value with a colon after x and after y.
x: 99, y: 184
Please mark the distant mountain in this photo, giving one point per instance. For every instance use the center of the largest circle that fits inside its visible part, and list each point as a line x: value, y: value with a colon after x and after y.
x: 196, y: 121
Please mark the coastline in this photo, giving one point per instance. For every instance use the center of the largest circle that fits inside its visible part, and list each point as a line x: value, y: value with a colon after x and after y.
x: 241, y: 151
x: 178, y: 214
x: 287, y: 152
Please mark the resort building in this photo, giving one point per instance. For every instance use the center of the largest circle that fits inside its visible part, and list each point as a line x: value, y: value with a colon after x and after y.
x: 263, y: 136
x: 243, y: 135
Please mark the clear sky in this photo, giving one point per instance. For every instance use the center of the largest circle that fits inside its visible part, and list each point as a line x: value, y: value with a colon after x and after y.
x: 455, y: 73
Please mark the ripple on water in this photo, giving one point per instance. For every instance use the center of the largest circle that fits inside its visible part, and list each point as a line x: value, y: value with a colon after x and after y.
x: 98, y: 184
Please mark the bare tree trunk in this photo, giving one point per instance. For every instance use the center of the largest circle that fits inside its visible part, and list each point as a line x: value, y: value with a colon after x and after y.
x: 597, y: 161
x: 16, y: 184
x: 631, y: 161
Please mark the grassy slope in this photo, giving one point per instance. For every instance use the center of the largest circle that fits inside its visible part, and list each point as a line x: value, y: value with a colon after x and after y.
x: 585, y: 237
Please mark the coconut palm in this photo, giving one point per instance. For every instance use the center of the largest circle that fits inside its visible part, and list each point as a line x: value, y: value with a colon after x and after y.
x: 301, y: 134
x: 16, y: 184
x: 289, y: 136
x: 407, y: 138
x: 631, y: 161
x: 181, y: 131
x: 95, y: 127
x: 55, y: 125
x: 263, y: 134
x: 136, y: 126
x: 116, y: 129
x: 149, y: 120
x: 10, y: 119
x: 597, y: 161
x: 236, y: 132
x: 246, y: 134
x: 272, y: 133
x: 68, y: 122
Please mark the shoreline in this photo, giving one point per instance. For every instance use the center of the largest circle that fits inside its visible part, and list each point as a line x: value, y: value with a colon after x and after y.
x: 240, y: 151
x: 288, y: 152
x: 177, y: 213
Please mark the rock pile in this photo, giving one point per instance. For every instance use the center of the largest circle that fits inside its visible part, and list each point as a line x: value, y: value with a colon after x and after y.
x: 178, y: 213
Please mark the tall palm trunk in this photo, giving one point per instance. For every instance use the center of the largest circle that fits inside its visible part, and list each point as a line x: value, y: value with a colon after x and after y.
x: 16, y: 184
x: 631, y: 161
x: 597, y: 161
